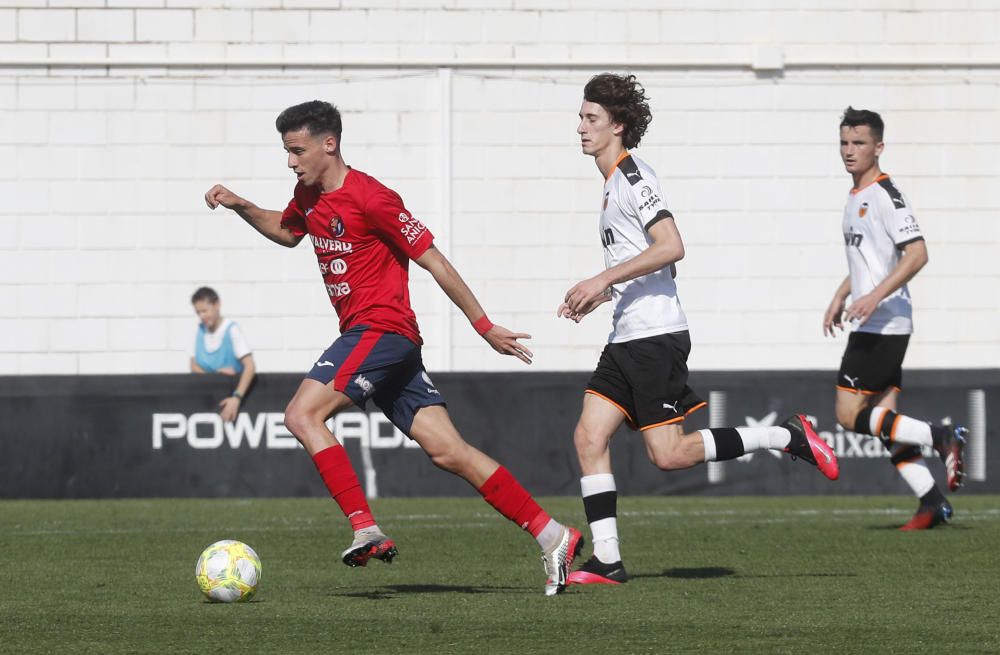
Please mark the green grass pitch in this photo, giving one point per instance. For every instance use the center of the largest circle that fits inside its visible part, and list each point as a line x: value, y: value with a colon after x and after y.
x: 710, y: 575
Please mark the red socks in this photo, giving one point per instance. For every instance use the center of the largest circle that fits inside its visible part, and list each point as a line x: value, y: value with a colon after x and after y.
x: 342, y: 482
x: 501, y: 491
x: 508, y: 497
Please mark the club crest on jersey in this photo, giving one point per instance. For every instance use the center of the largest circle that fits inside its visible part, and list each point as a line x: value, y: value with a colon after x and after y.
x: 863, y: 210
x: 337, y: 226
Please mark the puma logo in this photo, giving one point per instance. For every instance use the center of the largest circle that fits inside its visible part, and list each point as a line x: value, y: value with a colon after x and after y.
x: 853, y: 382
x: 671, y: 406
x: 325, y: 364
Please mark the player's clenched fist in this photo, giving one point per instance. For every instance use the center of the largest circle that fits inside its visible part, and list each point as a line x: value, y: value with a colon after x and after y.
x: 220, y: 195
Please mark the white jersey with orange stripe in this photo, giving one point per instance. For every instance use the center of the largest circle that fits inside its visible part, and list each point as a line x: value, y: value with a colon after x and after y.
x: 633, y: 202
x: 878, y: 223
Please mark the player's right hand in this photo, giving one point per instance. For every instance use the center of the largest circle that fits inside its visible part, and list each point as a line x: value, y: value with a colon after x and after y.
x: 834, y: 317
x: 220, y: 195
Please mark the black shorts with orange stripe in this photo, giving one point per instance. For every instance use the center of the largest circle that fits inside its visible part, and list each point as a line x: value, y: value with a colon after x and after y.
x: 872, y: 363
x: 647, y: 380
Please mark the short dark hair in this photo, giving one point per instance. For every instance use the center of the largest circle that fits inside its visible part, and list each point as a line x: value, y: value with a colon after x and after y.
x: 857, y: 117
x: 316, y: 116
x: 205, y: 293
x: 625, y: 101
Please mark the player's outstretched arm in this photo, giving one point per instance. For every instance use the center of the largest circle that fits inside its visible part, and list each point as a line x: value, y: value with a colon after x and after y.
x: 500, y: 338
x: 265, y: 221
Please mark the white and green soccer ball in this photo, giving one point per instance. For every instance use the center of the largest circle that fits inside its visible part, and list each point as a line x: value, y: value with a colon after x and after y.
x: 228, y: 571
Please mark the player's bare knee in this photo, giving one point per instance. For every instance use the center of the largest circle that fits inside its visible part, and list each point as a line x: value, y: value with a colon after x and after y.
x: 675, y: 454
x: 297, y: 419
x: 669, y: 461
x: 588, y: 443
x: 450, y: 459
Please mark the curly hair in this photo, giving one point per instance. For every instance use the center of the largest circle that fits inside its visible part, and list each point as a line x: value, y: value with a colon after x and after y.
x: 857, y: 117
x: 625, y: 101
x: 316, y: 116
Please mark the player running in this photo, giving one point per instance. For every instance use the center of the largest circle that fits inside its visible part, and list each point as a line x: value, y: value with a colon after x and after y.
x: 364, y: 238
x: 641, y: 377
x: 885, y: 250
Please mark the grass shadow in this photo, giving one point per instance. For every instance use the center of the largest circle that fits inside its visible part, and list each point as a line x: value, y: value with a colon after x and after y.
x: 702, y: 573
x: 391, y: 591
x: 712, y: 572
x: 895, y: 527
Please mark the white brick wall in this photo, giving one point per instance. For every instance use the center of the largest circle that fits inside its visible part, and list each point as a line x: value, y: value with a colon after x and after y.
x: 104, y: 235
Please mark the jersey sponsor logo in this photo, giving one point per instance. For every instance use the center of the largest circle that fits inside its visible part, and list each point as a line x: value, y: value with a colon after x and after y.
x: 852, y: 238
x: 337, y: 289
x: 412, y: 229
x: 863, y: 209
x: 909, y: 225
x: 335, y: 266
x: 326, y: 245
x: 651, y: 201
x: 646, y: 191
x: 337, y: 226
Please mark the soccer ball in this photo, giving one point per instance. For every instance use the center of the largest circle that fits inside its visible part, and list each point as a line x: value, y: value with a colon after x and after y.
x: 228, y: 571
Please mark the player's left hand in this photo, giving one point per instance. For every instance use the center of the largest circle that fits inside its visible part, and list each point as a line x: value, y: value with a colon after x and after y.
x: 229, y: 408
x: 506, y: 342
x: 861, y: 309
x: 583, y: 293
x: 565, y: 312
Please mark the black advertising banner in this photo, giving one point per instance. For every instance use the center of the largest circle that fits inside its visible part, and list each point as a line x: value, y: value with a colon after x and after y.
x: 160, y: 436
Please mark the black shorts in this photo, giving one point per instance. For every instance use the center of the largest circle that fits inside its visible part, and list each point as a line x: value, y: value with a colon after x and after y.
x: 872, y: 363
x: 647, y: 380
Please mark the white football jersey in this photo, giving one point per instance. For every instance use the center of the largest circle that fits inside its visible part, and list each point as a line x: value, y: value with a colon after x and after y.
x: 648, y: 305
x: 878, y: 223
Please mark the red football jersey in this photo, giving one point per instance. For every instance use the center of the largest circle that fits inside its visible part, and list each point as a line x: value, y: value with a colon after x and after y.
x: 364, y: 240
